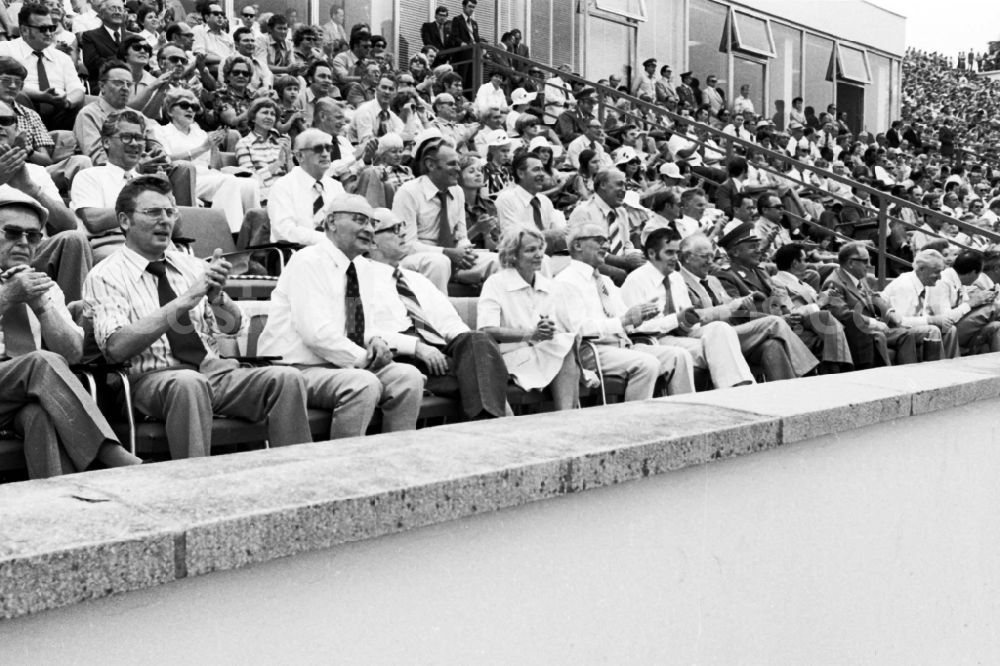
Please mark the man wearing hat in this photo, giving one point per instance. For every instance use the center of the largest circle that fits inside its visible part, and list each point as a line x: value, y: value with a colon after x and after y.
x: 686, y: 93
x: 161, y: 310
x: 324, y: 320
x: 571, y: 123
x: 63, y: 430
x: 520, y: 99
x: 426, y: 330
x: 489, y: 120
x: 797, y: 139
x: 645, y: 82
x: 600, y: 313
x: 433, y: 207
x: 766, y: 340
x: 819, y: 330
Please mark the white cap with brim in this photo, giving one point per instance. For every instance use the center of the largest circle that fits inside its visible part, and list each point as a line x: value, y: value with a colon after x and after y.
x: 522, y: 96
x: 349, y: 203
x: 10, y: 196
x: 670, y: 170
x: 384, y: 219
x: 498, y: 137
x: 542, y: 142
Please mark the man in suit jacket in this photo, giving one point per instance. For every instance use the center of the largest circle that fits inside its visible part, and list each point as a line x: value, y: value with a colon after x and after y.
x: 464, y: 32
x: 686, y: 93
x: 871, y: 325
x: 712, y: 95
x: 819, y: 330
x: 437, y: 33
x: 766, y: 340
x: 101, y: 44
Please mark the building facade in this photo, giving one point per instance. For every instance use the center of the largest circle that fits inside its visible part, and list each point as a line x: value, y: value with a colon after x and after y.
x: 843, y: 52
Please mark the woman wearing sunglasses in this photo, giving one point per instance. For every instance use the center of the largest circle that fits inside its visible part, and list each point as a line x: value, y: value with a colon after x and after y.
x: 233, y: 100
x: 183, y: 139
x: 136, y: 53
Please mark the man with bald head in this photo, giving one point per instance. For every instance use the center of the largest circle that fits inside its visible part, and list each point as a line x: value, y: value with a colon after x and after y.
x: 297, y: 199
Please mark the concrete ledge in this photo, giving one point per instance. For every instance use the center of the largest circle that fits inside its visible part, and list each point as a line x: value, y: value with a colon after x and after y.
x: 86, y: 536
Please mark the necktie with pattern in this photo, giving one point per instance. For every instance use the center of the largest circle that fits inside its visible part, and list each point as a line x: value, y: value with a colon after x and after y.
x: 43, y: 76
x: 18, y: 339
x: 614, y: 233
x: 185, y: 343
x: 354, y: 319
x: 318, y: 202
x: 383, y: 123
x: 536, y: 212
x: 445, y: 237
x: 421, y: 325
x: 602, y: 292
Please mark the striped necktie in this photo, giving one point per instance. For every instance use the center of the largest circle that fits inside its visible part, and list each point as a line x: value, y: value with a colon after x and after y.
x: 603, y: 293
x: 615, y: 233
x: 421, y: 325
x: 318, y: 201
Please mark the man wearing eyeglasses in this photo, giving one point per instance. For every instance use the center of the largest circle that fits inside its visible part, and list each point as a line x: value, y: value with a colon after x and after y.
x: 296, y: 201
x: 161, y: 310
x: 101, y: 44
x: 63, y: 430
x: 324, y: 321
x: 116, y: 81
x: 51, y: 81
x: 210, y: 38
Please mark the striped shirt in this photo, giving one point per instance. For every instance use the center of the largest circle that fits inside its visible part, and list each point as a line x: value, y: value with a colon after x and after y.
x: 257, y: 153
x: 121, y: 292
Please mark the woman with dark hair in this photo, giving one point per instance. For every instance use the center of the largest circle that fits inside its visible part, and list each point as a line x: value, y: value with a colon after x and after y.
x: 583, y: 182
x: 264, y: 151
x: 556, y: 182
x: 136, y: 53
x: 232, y: 101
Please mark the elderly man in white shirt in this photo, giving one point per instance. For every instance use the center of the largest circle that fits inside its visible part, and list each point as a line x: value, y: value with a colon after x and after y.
x: 323, y: 321
x: 599, y: 312
x: 525, y: 204
x: 52, y: 84
x: 605, y: 209
x: 297, y: 200
x: 433, y: 207
x: 917, y: 304
x: 714, y: 346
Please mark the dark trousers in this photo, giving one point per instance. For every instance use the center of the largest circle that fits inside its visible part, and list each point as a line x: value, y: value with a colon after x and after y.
x: 476, y: 373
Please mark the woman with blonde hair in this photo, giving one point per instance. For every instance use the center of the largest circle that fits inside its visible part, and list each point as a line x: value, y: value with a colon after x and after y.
x: 524, y: 313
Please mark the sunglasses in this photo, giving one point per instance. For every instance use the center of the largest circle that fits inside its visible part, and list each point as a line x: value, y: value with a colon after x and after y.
x: 239, y: 72
x: 8, y: 121
x: 44, y: 29
x: 321, y: 148
x: 396, y: 229
x: 177, y: 60
x: 141, y: 47
x: 15, y: 234
x: 251, y: 15
x: 189, y: 106
x: 217, y: 13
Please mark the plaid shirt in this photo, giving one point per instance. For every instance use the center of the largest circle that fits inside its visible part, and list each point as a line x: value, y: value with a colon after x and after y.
x: 34, y: 129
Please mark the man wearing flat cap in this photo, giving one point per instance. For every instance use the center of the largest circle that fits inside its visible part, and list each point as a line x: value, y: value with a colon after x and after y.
x: 686, y: 92
x: 820, y: 331
x: 645, y: 82
x: 323, y: 321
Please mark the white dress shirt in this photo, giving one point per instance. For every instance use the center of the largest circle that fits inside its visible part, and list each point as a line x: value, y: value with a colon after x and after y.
x: 903, y: 294
x: 645, y: 284
x: 514, y: 208
x: 307, y: 321
x: 391, y: 317
x: 679, y: 142
x: 490, y: 97
x: 582, y: 143
x: 688, y: 226
x: 290, y: 207
x: 416, y: 203
x: 213, y: 43
x: 121, y: 292
x: 584, y: 299
x: 59, y: 67
x: 950, y: 290
x: 366, y: 120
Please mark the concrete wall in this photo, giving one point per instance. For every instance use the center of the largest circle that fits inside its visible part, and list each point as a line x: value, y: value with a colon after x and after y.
x: 874, y: 546
x: 854, y: 20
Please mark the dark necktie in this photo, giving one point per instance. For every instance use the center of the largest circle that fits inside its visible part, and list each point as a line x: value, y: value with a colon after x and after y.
x: 920, y: 303
x: 668, y: 303
x: 185, y: 343
x: 417, y: 315
x: 445, y: 237
x: 335, y: 153
x: 536, y: 212
x: 118, y: 38
x: 711, y: 294
x: 383, y: 123
x: 43, y: 76
x: 18, y: 339
x: 354, y: 320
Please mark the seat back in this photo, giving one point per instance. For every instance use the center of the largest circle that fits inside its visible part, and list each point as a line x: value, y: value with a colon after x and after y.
x: 466, y: 308
x: 209, y: 230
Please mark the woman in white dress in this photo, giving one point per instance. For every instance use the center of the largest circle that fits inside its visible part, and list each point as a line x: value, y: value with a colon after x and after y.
x: 183, y: 139
x: 523, y: 311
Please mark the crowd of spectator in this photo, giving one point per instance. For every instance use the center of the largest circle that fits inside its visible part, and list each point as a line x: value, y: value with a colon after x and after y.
x: 678, y: 243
